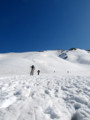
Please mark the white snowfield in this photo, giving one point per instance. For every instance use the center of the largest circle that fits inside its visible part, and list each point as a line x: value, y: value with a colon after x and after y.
x: 60, y: 92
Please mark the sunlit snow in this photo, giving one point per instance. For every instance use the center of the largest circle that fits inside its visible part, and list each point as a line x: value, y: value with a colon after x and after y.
x: 60, y: 92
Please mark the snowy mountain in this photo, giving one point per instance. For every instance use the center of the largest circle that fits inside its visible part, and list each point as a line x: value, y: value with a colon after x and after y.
x: 47, y: 61
x: 77, y: 56
x: 60, y: 92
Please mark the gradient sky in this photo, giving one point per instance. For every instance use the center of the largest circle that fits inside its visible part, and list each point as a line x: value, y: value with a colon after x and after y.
x: 36, y: 25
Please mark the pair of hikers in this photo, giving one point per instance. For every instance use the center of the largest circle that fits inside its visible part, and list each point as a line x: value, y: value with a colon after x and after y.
x: 32, y: 70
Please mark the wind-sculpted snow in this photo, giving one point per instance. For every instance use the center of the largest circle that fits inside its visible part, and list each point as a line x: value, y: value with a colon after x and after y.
x: 44, y: 97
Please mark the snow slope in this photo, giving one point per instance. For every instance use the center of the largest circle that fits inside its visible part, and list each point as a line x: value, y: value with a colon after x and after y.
x: 47, y: 62
x: 61, y: 91
x: 77, y: 56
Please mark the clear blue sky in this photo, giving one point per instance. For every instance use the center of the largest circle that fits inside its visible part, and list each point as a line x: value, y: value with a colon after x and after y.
x: 35, y: 25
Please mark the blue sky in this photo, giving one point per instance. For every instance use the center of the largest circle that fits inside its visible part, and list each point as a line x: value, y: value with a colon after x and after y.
x: 36, y: 25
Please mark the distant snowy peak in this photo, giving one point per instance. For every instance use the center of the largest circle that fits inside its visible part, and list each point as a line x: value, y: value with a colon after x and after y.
x: 75, y: 55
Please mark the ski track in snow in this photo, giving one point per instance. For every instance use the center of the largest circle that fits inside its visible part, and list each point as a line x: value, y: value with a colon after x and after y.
x: 44, y: 97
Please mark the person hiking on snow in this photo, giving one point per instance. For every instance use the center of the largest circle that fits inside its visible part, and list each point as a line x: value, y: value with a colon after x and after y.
x: 38, y: 72
x: 32, y: 70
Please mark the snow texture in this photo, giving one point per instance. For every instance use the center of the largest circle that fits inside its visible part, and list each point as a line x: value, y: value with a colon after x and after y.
x: 60, y: 92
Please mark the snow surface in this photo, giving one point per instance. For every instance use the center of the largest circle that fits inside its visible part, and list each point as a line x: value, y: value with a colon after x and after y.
x: 60, y: 92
